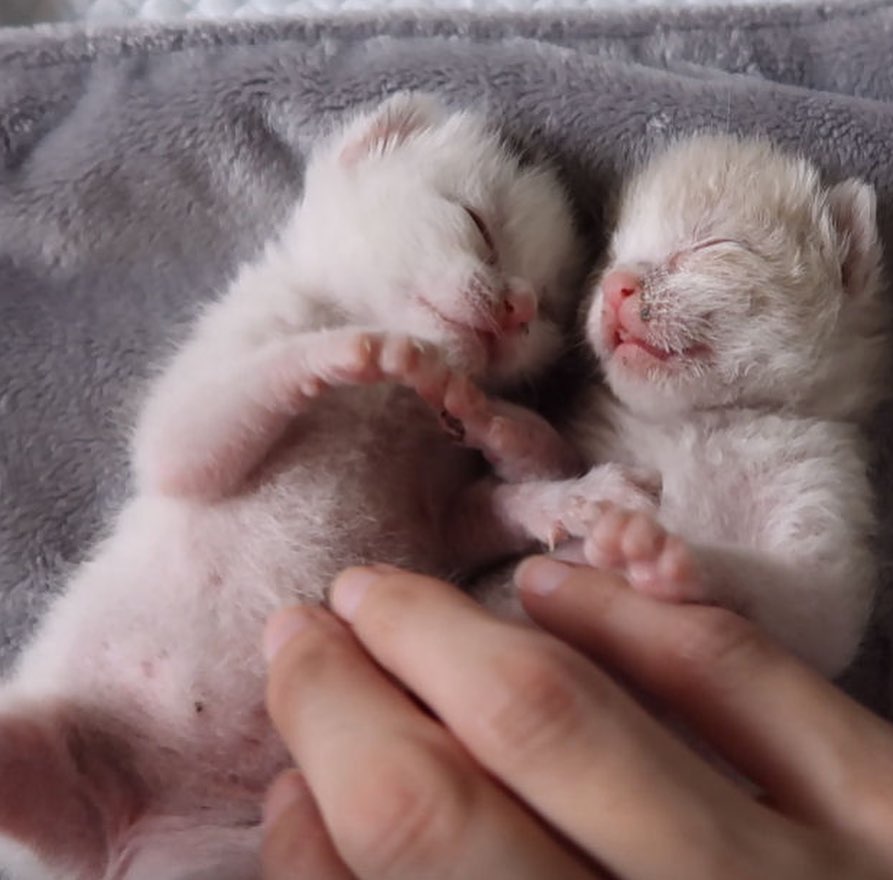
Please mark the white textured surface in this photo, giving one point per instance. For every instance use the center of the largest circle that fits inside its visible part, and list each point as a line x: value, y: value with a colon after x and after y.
x: 21, y: 11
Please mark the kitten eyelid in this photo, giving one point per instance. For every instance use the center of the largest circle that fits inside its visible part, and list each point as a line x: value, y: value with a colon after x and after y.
x: 674, y: 259
x: 484, y: 232
x: 713, y: 242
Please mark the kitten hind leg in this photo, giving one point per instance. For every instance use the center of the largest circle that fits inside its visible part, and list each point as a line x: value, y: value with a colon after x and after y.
x: 66, y: 790
x: 206, y: 845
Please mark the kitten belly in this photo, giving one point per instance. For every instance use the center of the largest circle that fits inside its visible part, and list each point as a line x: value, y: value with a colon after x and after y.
x: 161, y: 631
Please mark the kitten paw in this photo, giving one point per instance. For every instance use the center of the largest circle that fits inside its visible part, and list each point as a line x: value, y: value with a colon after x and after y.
x: 653, y: 560
x: 466, y: 412
x: 416, y: 364
x: 630, y: 487
x: 359, y: 357
x: 519, y: 443
x: 555, y: 512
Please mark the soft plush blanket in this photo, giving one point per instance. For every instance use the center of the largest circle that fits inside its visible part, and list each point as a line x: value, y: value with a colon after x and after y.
x: 30, y: 11
x: 138, y: 167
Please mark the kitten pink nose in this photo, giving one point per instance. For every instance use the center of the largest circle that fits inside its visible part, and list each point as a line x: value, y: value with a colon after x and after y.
x: 518, y: 309
x: 620, y: 285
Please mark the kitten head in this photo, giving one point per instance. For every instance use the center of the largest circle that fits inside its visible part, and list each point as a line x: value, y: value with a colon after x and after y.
x: 419, y: 220
x: 736, y: 278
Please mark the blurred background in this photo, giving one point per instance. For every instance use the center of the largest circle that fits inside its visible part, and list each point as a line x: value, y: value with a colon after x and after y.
x: 18, y: 12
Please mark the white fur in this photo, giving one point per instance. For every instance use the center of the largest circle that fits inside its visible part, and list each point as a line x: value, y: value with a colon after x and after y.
x: 757, y: 436
x: 21, y: 863
x: 242, y: 507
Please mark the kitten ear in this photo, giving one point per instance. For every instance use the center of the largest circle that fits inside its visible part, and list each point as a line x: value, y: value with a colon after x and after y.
x: 394, y: 122
x: 853, y: 207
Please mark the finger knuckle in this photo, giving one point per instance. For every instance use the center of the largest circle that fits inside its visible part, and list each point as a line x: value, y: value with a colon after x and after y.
x: 395, y: 603
x: 725, y: 849
x: 310, y: 658
x: 867, y: 787
x: 537, y: 707
x: 281, y: 850
x: 711, y: 644
x: 407, y: 814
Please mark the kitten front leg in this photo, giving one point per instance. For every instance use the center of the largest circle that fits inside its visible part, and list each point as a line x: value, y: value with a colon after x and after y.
x: 519, y: 444
x: 816, y: 607
x: 202, y: 436
x: 493, y: 520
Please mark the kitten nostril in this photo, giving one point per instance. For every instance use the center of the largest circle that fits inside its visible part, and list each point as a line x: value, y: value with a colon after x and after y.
x: 619, y: 285
x: 518, y: 308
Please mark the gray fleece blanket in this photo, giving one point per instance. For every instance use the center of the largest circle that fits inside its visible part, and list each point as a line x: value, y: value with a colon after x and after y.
x: 137, y: 167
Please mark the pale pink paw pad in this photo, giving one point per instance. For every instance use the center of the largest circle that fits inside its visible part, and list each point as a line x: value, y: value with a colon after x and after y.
x: 399, y: 356
x: 652, y: 560
x: 510, y: 440
x: 417, y: 365
x: 605, y: 538
x: 358, y: 362
x: 464, y: 400
x: 313, y: 386
x: 642, y: 539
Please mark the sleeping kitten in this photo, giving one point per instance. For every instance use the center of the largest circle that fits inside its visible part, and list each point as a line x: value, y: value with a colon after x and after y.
x: 743, y: 338
x: 133, y: 737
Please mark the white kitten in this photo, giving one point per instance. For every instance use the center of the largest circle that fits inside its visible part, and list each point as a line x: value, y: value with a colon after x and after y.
x: 741, y: 331
x: 133, y: 740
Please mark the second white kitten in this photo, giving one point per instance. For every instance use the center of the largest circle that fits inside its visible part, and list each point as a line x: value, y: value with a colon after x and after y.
x: 744, y: 340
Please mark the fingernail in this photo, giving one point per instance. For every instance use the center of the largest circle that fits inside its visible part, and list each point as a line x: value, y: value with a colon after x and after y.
x: 285, y: 792
x: 350, y: 587
x: 541, y: 575
x: 280, y: 628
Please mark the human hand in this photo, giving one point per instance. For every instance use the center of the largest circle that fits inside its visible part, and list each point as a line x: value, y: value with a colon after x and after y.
x: 536, y: 764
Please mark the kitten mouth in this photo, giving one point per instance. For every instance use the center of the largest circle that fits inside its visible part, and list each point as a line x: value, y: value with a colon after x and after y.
x: 623, y: 337
x: 487, y: 337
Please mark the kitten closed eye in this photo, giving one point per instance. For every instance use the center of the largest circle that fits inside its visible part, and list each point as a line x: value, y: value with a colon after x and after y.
x: 492, y: 257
